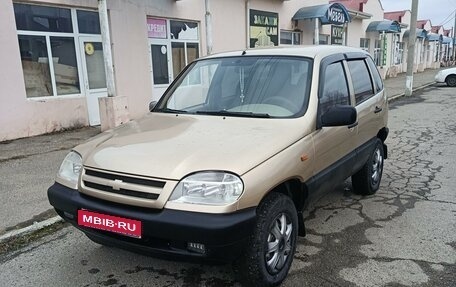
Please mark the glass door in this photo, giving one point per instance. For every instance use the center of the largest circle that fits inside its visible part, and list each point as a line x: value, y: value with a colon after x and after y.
x: 161, y: 68
x: 94, y: 75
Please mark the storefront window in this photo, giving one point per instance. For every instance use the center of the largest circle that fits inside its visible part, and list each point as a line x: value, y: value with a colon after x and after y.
x: 290, y: 38
x: 182, y: 42
x: 184, y: 30
x: 46, y: 33
x: 178, y: 57
x: 192, y: 52
x: 377, y: 53
x: 95, y: 65
x: 88, y: 22
x: 35, y: 64
x: 42, y: 18
x: 65, y: 65
x: 364, y: 44
x: 324, y: 39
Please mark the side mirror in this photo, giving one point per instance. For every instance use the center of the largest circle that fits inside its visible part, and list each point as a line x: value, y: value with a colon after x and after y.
x: 339, y: 116
x: 152, y: 105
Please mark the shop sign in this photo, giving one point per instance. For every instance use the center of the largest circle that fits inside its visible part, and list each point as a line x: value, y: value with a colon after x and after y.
x: 336, y: 15
x: 264, y: 29
x: 385, y: 46
x: 156, y: 28
x: 337, y: 33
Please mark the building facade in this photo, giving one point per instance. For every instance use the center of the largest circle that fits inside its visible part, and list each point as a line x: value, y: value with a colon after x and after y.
x: 53, y: 73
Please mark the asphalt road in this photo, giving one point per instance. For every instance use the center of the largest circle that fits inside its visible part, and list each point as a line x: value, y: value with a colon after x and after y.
x: 405, y: 235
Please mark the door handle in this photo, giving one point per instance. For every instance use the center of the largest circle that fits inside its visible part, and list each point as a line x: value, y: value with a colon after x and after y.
x: 377, y: 110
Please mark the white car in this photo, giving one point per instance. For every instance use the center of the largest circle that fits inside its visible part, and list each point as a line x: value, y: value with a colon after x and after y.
x: 447, y: 76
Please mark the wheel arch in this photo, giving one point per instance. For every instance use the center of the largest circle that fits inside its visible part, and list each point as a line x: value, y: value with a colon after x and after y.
x: 298, y: 193
x: 448, y: 76
x: 382, y: 135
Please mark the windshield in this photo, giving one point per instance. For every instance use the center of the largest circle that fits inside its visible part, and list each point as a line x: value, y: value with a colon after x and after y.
x: 246, y: 86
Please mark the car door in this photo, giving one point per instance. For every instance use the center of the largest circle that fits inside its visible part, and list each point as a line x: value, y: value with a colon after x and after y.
x: 334, y: 146
x: 370, y: 102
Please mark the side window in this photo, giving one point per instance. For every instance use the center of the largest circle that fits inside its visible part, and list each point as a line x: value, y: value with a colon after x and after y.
x: 334, y: 88
x: 361, y: 80
x: 375, y: 74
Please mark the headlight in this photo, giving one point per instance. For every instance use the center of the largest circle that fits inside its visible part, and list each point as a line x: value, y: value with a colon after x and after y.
x: 71, y: 168
x: 211, y: 188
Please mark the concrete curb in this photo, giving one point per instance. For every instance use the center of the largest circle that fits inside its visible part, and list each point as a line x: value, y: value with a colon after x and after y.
x: 34, y: 227
x: 395, y: 97
x: 39, y: 225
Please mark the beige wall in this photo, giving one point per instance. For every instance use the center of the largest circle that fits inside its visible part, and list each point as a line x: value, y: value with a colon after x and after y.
x: 19, y: 116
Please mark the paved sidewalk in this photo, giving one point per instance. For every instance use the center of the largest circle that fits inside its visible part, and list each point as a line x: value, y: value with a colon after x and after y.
x: 28, y: 166
x: 396, y: 86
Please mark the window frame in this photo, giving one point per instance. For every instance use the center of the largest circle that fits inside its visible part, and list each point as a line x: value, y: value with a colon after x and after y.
x: 327, y: 61
x: 75, y: 36
x: 364, y: 40
x: 168, y: 42
x: 369, y: 72
x: 371, y: 66
x: 292, y: 33
x: 180, y: 78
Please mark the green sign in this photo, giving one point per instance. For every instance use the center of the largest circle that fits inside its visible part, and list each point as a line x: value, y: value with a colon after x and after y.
x: 264, y: 29
x: 384, y: 49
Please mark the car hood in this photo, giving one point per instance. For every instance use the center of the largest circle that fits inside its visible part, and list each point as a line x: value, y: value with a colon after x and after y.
x: 172, y: 146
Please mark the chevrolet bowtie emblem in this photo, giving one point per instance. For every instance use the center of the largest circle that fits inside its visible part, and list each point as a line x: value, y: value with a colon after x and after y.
x: 117, y: 184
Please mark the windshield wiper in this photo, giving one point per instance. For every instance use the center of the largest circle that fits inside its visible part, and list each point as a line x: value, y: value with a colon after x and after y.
x: 234, y: 114
x: 172, y: 111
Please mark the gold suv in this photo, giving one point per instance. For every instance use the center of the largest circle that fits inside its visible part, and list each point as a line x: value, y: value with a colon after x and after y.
x: 230, y: 156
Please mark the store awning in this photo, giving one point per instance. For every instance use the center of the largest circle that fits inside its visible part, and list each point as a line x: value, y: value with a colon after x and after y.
x: 420, y: 33
x: 434, y: 37
x: 334, y: 13
x: 446, y: 40
x: 386, y: 26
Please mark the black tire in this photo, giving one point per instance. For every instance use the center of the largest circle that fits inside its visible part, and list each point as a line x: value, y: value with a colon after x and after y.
x: 252, y: 267
x: 367, y: 180
x: 451, y: 81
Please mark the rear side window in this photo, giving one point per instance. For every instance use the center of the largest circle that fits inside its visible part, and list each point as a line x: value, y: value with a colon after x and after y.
x: 378, y: 83
x: 334, y: 88
x: 361, y: 80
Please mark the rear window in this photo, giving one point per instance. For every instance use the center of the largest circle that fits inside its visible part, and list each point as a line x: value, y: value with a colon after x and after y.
x: 361, y: 80
x: 378, y: 83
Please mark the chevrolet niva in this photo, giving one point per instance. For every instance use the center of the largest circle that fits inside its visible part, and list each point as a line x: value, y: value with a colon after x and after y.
x: 228, y: 159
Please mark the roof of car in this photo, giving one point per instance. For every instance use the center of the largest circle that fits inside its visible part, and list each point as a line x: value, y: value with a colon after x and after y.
x: 303, y: 51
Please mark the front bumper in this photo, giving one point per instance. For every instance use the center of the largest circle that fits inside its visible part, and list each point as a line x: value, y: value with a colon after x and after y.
x: 439, y: 78
x: 166, y: 232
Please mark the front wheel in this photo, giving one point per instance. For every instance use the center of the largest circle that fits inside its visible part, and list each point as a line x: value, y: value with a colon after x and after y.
x: 367, y: 180
x: 451, y: 81
x: 272, y: 245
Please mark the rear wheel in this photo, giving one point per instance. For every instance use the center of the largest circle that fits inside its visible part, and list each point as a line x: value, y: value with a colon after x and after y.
x: 451, y: 81
x: 272, y: 245
x: 367, y: 180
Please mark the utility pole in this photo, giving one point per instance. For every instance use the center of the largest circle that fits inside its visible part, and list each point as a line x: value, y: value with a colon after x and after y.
x: 106, y: 42
x: 208, y: 28
x: 411, y: 49
x: 454, y: 38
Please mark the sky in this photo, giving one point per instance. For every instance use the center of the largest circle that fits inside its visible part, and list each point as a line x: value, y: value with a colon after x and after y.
x: 435, y: 10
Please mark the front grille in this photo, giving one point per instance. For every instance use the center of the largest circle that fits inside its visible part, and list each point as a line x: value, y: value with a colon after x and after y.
x: 129, y: 179
x: 123, y: 184
x: 121, y: 190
